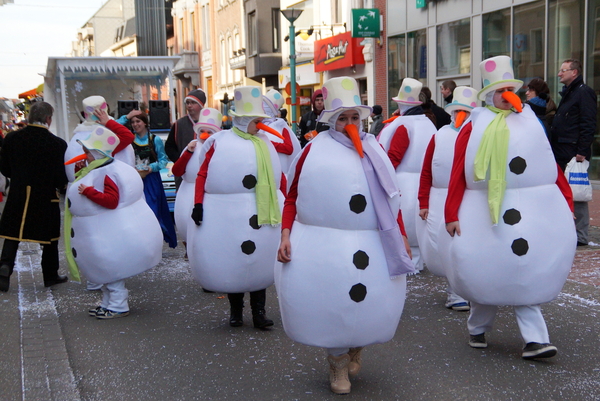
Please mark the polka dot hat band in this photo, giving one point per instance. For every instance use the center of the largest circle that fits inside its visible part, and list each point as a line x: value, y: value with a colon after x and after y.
x: 93, y: 103
x: 463, y: 98
x: 274, y: 99
x: 102, y: 140
x: 497, y: 72
x: 210, y: 119
x: 341, y: 94
x: 409, y: 92
x: 248, y: 102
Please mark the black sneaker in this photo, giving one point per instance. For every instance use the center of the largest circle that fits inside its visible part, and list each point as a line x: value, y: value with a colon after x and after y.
x: 537, y: 350
x: 95, y: 311
x: 236, y: 319
x: 478, y: 341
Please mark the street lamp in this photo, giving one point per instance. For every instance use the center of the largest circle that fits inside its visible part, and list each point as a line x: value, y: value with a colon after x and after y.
x: 292, y: 14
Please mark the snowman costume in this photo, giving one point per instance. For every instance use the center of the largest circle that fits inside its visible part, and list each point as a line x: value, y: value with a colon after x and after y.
x: 124, y: 152
x: 343, y: 283
x: 231, y: 251
x: 105, y: 242
x: 517, y: 250
x: 187, y: 167
x: 434, y: 241
x: 286, y: 148
x: 405, y: 140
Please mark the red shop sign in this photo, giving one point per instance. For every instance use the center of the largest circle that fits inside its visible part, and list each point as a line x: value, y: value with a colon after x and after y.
x: 337, y: 52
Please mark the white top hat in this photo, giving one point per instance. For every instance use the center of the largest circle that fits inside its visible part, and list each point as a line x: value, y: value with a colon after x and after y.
x: 93, y: 103
x: 463, y: 98
x: 274, y: 100
x: 409, y: 92
x: 497, y: 72
x: 341, y: 94
x: 248, y: 102
x: 210, y: 119
x: 101, y: 140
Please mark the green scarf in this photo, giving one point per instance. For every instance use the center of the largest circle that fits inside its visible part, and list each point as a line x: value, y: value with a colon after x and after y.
x: 267, y: 205
x: 492, y: 153
x: 73, y: 268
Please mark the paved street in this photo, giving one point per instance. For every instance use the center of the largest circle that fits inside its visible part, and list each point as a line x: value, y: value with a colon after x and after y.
x: 177, y: 345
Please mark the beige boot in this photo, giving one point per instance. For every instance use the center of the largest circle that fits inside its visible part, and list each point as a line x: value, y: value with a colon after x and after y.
x: 338, y: 373
x: 355, y: 361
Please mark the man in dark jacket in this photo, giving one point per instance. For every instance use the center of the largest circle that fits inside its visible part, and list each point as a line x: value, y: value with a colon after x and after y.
x: 573, y: 130
x: 33, y: 158
x: 182, y: 131
x: 308, y: 122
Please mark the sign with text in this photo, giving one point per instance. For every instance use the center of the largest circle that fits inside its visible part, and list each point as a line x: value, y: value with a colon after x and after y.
x: 339, y: 51
x: 365, y: 23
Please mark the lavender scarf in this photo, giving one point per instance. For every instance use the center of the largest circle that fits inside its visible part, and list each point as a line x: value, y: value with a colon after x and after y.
x: 381, y: 186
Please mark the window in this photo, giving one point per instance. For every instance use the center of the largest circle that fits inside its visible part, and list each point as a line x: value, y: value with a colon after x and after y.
x: 528, y: 40
x: 192, y: 31
x: 252, y: 34
x: 396, y: 66
x: 224, y: 63
x: 180, y: 37
x: 416, y: 50
x: 229, y: 57
x: 454, y: 48
x: 496, y: 34
x: 205, y: 27
x: 275, y: 21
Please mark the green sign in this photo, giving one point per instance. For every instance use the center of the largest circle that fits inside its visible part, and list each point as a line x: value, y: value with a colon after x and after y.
x: 421, y: 3
x: 365, y: 23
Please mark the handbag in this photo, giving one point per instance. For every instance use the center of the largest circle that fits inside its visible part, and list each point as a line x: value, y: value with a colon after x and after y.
x: 577, y: 176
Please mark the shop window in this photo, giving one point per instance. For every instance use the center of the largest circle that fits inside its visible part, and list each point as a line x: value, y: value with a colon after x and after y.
x: 454, y: 48
x: 496, y: 34
x: 528, y: 40
x: 396, y: 67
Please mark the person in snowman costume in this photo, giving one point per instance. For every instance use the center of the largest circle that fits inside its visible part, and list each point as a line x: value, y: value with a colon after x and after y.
x: 113, y: 234
x: 405, y: 140
x: 187, y: 167
x: 95, y: 111
x: 433, y: 188
x: 288, y: 148
x: 237, y: 210
x: 509, y: 212
x: 342, y: 284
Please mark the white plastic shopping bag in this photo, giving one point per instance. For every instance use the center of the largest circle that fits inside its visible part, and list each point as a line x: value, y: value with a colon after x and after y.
x: 577, y: 175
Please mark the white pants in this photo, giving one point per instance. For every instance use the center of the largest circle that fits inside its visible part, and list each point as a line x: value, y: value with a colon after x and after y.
x: 114, y: 296
x: 529, y: 318
x: 417, y: 259
x: 453, y: 298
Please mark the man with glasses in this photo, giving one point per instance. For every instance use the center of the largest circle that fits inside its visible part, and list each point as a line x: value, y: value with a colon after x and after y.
x: 573, y: 130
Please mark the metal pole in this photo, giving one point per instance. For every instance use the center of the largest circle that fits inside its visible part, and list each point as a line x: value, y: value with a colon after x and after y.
x: 293, y: 74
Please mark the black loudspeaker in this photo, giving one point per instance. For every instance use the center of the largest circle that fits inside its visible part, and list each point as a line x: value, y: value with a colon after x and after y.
x: 125, y: 106
x: 160, y: 117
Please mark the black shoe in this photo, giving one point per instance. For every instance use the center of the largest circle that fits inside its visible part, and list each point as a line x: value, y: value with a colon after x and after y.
x: 478, y: 341
x: 260, y: 321
x: 537, y: 350
x: 207, y: 291
x: 4, y: 278
x: 57, y: 280
x: 579, y: 243
x: 236, y: 319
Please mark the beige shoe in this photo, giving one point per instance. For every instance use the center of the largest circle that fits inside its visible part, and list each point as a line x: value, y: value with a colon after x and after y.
x: 355, y: 361
x: 338, y: 373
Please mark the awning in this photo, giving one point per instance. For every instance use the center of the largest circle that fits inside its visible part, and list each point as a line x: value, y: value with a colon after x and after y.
x: 29, y: 94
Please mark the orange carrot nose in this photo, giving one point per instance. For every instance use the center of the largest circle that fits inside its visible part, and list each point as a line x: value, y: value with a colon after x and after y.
x: 514, y: 100
x: 204, y: 136
x: 80, y: 157
x: 389, y: 120
x: 355, y: 137
x: 461, y: 115
x: 270, y: 130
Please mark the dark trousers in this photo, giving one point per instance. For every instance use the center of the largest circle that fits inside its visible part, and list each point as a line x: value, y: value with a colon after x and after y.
x: 50, y: 262
x: 257, y: 301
